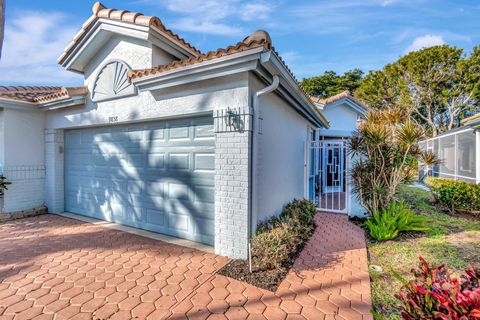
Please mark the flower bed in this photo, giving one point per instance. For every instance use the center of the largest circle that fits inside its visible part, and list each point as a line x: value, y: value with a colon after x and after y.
x: 275, y: 246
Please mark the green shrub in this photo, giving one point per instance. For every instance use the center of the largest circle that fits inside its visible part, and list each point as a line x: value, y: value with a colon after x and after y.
x: 455, y: 195
x: 278, y: 239
x: 388, y: 223
x: 271, y: 249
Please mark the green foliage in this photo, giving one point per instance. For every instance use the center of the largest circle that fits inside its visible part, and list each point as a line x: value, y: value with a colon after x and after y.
x: 386, y: 149
x: 436, y: 86
x: 3, y: 184
x: 279, y: 238
x: 388, y: 223
x: 331, y: 83
x: 436, y: 294
x: 442, y: 243
x: 455, y: 195
x: 382, y: 226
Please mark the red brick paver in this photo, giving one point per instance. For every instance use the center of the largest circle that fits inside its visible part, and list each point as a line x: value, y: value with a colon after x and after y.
x: 329, y: 280
x: 57, y: 268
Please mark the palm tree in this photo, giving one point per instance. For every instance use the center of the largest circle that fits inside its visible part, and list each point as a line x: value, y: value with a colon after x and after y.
x: 2, y: 24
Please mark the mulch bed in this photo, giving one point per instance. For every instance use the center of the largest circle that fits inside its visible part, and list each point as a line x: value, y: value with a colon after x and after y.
x: 265, y: 279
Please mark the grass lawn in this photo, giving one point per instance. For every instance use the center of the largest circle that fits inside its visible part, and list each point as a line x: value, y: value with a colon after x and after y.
x: 454, y: 240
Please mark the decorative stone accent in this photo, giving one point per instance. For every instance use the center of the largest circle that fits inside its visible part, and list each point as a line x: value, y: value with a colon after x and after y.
x: 112, y: 82
x: 22, y: 214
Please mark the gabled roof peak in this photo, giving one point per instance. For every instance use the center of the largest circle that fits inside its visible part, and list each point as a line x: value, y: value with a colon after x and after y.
x: 344, y: 94
x: 102, y: 12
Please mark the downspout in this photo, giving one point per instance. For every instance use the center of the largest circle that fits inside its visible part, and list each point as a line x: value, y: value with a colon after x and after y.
x: 256, y: 126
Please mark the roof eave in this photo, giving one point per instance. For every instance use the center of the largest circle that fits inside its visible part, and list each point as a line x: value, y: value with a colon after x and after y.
x: 275, y: 66
x: 227, y: 65
x: 36, y: 106
x: 98, y: 33
x: 161, y: 40
x: 352, y: 103
x: 63, y: 103
x: 17, y: 104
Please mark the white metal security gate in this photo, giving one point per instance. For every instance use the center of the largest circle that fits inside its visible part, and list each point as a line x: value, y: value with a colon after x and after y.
x: 327, y: 175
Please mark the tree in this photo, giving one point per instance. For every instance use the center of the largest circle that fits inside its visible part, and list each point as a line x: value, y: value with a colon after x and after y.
x: 330, y: 83
x: 2, y: 24
x: 385, y: 147
x: 436, y: 86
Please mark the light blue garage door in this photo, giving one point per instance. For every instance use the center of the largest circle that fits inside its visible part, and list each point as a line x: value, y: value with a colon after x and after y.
x: 156, y: 176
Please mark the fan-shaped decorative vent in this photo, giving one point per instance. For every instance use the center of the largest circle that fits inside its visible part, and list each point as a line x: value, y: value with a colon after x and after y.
x: 112, y: 82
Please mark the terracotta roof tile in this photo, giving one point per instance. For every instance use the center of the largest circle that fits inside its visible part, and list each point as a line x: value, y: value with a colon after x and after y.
x: 100, y: 11
x: 40, y: 94
x: 258, y: 39
x: 338, y: 96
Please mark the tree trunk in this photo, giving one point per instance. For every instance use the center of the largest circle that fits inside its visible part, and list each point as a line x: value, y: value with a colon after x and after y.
x: 2, y: 24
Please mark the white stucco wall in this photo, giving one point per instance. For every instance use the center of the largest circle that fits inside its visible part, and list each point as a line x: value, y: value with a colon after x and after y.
x: 160, y: 57
x: 280, y: 154
x: 176, y: 101
x: 343, y: 120
x: 24, y: 141
x: 23, y: 158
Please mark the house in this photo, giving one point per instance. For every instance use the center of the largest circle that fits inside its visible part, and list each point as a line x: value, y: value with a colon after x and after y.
x: 458, y: 151
x: 163, y: 137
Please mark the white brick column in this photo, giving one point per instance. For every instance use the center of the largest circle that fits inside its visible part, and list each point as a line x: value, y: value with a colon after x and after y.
x: 232, y: 191
x: 54, y: 180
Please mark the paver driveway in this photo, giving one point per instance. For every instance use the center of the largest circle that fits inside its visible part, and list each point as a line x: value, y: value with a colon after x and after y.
x: 53, y: 267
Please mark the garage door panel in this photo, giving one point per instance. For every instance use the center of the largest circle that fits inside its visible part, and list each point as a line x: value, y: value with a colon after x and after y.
x: 178, y: 222
x: 203, y: 226
x: 156, y: 176
x: 179, y: 132
x: 178, y: 161
x: 204, y: 194
x: 204, y: 162
x: 156, y: 217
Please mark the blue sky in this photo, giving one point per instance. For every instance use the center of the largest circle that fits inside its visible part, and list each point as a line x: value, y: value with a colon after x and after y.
x: 312, y: 36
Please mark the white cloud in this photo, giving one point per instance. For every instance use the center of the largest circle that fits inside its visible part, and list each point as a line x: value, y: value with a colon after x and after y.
x: 256, y: 11
x: 425, y: 41
x: 33, y: 42
x: 208, y: 27
x: 215, y: 16
x: 386, y: 3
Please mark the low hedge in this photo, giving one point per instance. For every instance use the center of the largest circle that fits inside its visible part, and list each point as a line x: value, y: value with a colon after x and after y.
x: 455, y: 195
x: 279, y: 239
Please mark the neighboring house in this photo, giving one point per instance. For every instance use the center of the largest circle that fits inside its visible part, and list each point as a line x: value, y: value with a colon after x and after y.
x: 458, y: 151
x: 329, y: 184
x: 163, y: 137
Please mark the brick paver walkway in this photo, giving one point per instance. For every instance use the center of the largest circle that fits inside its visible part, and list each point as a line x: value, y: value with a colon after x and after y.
x: 57, y: 268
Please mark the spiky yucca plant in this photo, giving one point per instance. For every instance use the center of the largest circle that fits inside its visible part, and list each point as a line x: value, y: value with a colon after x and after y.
x: 385, y: 151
